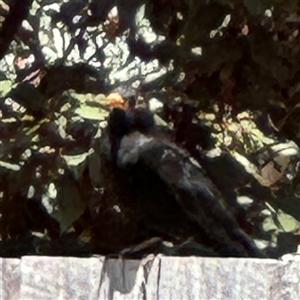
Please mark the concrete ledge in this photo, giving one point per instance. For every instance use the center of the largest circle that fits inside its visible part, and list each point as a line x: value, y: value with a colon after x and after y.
x: 159, y: 277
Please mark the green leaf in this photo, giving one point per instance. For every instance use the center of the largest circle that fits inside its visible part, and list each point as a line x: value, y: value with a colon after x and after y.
x: 64, y: 203
x: 5, y: 87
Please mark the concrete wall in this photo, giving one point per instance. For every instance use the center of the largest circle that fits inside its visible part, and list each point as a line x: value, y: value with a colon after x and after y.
x: 36, y: 278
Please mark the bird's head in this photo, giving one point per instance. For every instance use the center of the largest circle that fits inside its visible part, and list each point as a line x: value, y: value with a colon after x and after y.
x: 125, y: 119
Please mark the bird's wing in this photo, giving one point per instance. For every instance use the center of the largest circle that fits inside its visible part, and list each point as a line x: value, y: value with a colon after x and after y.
x: 192, y: 189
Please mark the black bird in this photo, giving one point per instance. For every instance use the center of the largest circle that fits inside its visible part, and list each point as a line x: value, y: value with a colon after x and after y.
x: 167, y: 192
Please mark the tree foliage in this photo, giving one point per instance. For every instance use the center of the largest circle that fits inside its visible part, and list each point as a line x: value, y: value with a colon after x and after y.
x: 222, y: 76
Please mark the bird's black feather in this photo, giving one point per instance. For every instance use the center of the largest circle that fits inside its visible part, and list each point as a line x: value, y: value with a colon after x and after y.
x: 168, y: 191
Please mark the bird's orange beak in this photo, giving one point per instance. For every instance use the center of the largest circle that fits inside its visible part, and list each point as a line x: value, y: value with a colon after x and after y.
x: 116, y: 100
